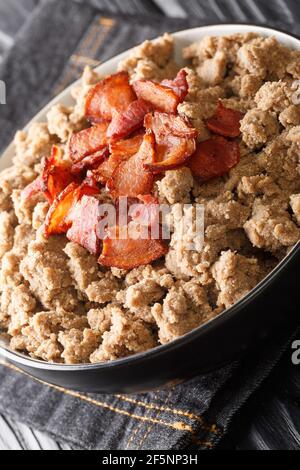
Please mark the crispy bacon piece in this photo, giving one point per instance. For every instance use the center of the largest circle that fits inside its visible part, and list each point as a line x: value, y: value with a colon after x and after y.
x: 57, y: 157
x: 214, y: 158
x: 56, y: 218
x: 147, y: 199
x: 90, y: 180
x: 88, y: 142
x: 59, y: 217
x: 39, y: 185
x: 225, y: 122
x: 56, y: 174
x: 55, y: 177
x: 91, y: 162
x: 85, y: 218
x: 179, y: 84
x: 160, y: 97
x: 128, y: 147
x: 124, y: 124
x: 104, y: 172
x: 130, y: 178
x: 113, y: 94
x: 120, y: 150
x: 130, y: 253
x: 162, y: 124
x: 164, y: 96
x: 146, y: 211
x: 142, y: 210
x: 175, y: 141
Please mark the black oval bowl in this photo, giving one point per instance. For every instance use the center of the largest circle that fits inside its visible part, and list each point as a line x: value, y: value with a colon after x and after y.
x: 271, y: 305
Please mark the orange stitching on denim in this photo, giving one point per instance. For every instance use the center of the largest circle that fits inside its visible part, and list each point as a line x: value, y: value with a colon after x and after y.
x: 82, y: 52
x: 138, y: 427
x: 105, y: 23
x: 102, y: 35
x: 211, y: 428
x: 89, y: 38
x: 150, y: 428
x: 178, y: 426
x: 208, y: 445
x: 198, y: 442
x: 69, y: 75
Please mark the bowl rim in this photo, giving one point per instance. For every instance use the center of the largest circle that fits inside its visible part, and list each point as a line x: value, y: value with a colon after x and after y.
x: 174, y: 345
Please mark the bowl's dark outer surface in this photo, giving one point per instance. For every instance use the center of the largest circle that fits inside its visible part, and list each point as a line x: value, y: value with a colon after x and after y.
x: 266, y: 309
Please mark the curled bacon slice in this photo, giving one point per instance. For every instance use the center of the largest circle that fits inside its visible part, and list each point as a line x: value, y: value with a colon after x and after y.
x: 121, y: 150
x: 130, y: 253
x: 56, y: 218
x: 39, y: 185
x: 160, y: 97
x: 225, y: 122
x: 130, y: 177
x: 124, y: 124
x: 179, y: 84
x: 85, y: 218
x: 164, y: 96
x: 163, y: 124
x: 175, y: 141
x: 55, y: 177
x: 214, y: 158
x: 126, y: 148
x: 88, y: 142
x: 59, y: 217
x: 91, y: 162
x: 146, y: 211
x: 90, y: 180
x: 104, y: 171
x: 56, y: 174
x: 113, y: 94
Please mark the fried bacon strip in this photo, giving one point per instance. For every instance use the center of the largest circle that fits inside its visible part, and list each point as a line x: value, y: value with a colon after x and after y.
x: 55, y: 177
x: 179, y: 84
x: 56, y: 218
x: 87, y: 142
x: 113, y: 94
x: 225, y: 122
x: 160, y: 97
x: 129, y: 253
x: 85, y: 218
x: 91, y: 162
x: 124, y: 124
x: 39, y: 185
x: 146, y: 211
x: 175, y: 141
x: 130, y: 178
x: 214, y: 158
x: 59, y: 218
x: 163, y: 124
x: 120, y: 151
x: 57, y: 174
x: 165, y: 96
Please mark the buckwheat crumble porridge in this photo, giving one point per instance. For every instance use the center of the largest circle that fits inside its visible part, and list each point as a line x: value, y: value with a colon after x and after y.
x: 223, y: 132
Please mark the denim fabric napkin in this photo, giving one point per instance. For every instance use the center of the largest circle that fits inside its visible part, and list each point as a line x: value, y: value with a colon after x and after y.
x: 61, y: 38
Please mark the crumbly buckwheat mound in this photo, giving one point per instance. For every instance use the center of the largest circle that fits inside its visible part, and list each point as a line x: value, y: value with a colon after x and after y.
x: 59, y: 305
